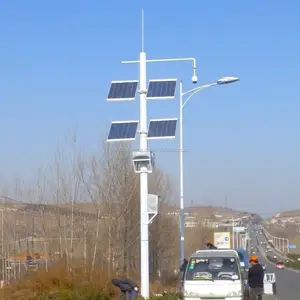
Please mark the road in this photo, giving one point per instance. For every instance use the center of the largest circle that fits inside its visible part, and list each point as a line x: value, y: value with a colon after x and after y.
x: 287, y: 281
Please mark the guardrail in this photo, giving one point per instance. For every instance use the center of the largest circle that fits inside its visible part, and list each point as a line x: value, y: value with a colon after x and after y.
x: 278, y: 243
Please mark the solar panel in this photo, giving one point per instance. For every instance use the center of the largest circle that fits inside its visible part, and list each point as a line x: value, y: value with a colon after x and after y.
x: 162, y: 129
x: 122, y: 90
x: 122, y: 131
x: 161, y: 89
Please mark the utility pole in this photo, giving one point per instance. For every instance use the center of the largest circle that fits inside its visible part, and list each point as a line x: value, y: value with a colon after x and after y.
x: 32, y: 234
x: 2, y: 245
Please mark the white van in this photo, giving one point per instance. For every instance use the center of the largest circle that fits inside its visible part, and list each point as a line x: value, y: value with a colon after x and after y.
x: 214, y: 274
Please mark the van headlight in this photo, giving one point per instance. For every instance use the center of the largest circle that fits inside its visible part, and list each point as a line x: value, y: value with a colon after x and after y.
x: 190, y: 294
x: 235, y: 294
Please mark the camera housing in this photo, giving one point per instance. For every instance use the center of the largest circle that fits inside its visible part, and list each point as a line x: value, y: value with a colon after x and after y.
x: 143, y: 160
x: 194, y: 79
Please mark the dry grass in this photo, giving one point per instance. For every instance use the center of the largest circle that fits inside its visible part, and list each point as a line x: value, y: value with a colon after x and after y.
x: 60, y: 281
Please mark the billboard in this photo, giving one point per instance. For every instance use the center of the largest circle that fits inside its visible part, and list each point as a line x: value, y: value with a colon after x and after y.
x: 222, y: 240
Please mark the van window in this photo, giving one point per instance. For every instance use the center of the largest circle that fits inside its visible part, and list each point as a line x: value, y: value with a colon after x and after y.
x: 213, y: 268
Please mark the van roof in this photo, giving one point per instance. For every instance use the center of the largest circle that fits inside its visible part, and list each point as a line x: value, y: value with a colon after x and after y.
x: 215, y: 253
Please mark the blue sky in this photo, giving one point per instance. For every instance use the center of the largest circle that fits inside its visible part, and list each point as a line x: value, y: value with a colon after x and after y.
x: 242, y: 140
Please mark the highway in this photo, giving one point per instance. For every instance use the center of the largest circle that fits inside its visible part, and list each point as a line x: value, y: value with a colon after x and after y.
x: 287, y: 281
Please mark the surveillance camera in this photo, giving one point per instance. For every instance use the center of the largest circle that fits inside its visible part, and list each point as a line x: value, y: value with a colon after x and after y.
x: 194, y: 79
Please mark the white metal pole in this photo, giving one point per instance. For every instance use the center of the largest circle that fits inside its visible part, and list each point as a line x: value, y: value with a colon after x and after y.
x: 182, y: 217
x: 233, y: 242
x: 280, y: 245
x: 144, y: 181
x: 2, y: 250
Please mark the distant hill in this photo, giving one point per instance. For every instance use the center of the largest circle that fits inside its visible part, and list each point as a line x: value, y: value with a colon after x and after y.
x: 91, y: 209
x: 288, y: 214
x: 204, y: 211
x: 6, y: 202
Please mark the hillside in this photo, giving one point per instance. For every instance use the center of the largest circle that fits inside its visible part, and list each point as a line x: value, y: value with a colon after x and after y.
x: 204, y: 211
x: 91, y: 208
x: 288, y: 214
x: 8, y: 203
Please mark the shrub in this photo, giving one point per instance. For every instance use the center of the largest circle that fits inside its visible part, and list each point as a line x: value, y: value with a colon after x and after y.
x: 293, y: 265
x: 293, y: 256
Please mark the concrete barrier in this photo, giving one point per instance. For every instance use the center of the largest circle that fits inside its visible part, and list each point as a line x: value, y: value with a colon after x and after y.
x: 270, y: 284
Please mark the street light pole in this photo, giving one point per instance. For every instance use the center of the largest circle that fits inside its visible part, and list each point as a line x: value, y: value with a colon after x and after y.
x: 144, y: 172
x: 190, y: 93
x: 233, y: 234
x: 2, y: 246
x: 144, y: 223
x: 182, y: 216
x: 144, y: 180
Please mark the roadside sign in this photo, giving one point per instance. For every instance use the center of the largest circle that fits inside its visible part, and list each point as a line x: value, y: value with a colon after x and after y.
x: 239, y: 229
x: 292, y: 246
x: 222, y: 240
x: 152, y: 207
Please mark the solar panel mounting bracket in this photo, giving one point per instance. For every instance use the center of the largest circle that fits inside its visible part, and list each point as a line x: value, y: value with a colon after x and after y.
x: 142, y: 131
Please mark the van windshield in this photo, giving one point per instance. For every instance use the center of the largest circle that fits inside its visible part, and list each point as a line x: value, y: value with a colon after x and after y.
x: 213, y: 268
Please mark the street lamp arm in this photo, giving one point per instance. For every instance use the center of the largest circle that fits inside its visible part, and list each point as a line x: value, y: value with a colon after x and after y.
x: 194, y: 91
x: 176, y: 59
x: 164, y: 60
x: 201, y: 87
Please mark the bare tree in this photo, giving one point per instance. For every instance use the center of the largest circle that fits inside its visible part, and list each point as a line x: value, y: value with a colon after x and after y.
x: 86, y: 210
